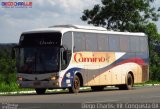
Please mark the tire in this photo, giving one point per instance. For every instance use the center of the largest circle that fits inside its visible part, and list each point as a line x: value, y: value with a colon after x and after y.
x: 122, y: 87
x: 40, y: 91
x: 97, y: 88
x: 76, y: 85
x: 129, y: 83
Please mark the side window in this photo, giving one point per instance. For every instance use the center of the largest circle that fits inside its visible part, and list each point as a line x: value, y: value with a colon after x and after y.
x: 67, y: 41
x: 143, y: 44
x: 102, y: 42
x: 79, y: 41
x: 114, y: 43
x: 124, y: 43
x: 134, y: 44
x: 91, y: 41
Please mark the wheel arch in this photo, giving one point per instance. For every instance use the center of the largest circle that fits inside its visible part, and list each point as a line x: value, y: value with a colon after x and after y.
x: 80, y: 77
x: 131, y: 73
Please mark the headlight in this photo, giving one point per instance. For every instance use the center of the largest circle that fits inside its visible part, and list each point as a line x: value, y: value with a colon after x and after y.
x: 53, y: 77
x: 20, y: 78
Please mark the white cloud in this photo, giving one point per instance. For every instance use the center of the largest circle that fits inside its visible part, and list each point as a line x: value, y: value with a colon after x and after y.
x: 43, y: 13
x: 42, y: 2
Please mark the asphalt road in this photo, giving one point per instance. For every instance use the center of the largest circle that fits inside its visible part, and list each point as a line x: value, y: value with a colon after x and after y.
x: 150, y: 94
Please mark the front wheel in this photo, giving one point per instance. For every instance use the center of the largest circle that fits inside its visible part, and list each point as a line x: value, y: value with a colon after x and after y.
x: 76, y: 85
x: 40, y: 91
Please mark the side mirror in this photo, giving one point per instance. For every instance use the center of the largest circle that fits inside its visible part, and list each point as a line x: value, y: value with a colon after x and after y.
x: 65, y: 55
x: 63, y: 61
x: 13, y: 52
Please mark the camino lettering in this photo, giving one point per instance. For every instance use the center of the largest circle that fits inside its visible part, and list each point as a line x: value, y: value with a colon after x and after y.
x: 78, y: 57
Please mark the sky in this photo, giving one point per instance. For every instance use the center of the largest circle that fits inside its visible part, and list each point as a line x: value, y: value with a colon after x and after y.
x: 43, y: 13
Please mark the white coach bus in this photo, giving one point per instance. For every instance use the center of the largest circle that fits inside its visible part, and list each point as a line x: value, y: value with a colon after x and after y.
x: 71, y: 56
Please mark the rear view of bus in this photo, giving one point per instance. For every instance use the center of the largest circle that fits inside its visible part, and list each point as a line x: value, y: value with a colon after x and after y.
x: 68, y: 56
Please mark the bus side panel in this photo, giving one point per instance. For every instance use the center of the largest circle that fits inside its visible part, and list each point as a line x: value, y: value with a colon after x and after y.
x: 105, y: 77
x: 84, y: 74
x: 143, y: 73
x: 91, y: 76
x: 111, y: 71
x: 116, y: 73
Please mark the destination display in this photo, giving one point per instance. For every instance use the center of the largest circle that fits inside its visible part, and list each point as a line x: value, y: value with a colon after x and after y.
x: 40, y: 39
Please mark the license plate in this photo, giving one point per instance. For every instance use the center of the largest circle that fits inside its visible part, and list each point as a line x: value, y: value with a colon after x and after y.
x: 37, y: 83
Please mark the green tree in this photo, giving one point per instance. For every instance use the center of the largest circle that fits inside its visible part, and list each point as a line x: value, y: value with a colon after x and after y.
x: 132, y: 16
x: 7, y: 68
x: 123, y: 15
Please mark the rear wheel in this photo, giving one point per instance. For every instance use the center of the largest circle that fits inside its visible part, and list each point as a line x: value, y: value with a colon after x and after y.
x: 76, y: 85
x: 97, y: 88
x: 129, y: 83
x: 40, y: 90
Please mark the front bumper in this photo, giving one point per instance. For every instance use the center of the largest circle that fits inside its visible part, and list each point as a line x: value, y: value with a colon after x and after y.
x: 38, y: 84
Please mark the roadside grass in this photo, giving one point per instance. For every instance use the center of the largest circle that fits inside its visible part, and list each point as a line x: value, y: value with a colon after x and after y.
x: 12, y: 87
x: 8, y: 87
x: 150, y: 82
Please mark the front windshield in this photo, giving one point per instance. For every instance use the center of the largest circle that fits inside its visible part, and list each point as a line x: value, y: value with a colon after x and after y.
x: 38, y: 60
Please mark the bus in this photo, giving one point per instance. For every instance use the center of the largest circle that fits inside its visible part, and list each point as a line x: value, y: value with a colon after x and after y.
x: 74, y: 56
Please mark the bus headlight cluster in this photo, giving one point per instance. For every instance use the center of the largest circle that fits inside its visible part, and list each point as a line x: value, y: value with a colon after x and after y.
x: 20, y: 78
x: 54, y: 77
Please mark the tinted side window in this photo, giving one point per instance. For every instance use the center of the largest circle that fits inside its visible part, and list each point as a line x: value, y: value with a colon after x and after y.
x: 67, y: 40
x: 102, y: 42
x: 91, y: 42
x: 143, y: 44
x: 124, y: 44
x: 79, y: 41
x: 134, y: 44
x: 113, y: 43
